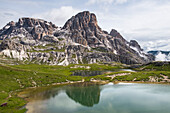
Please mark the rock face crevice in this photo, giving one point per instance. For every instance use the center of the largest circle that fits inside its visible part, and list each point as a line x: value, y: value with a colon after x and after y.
x: 80, y: 40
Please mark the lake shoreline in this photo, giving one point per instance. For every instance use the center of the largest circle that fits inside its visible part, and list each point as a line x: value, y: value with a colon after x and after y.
x: 102, y: 82
x: 99, y: 82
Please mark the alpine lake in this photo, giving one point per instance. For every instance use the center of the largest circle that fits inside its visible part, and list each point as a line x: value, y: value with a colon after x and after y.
x: 99, y: 98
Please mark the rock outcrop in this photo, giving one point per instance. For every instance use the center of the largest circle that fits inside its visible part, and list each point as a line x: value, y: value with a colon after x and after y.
x: 116, y: 34
x: 27, y: 27
x: 80, y: 40
x: 85, y: 30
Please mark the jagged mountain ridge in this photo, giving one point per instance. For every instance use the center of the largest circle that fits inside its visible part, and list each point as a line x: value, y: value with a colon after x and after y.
x: 28, y: 27
x: 80, y: 40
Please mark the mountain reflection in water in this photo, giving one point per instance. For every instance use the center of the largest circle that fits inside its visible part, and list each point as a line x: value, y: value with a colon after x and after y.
x: 92, y: 98
x: 85, y: 94
x: 86, y: 73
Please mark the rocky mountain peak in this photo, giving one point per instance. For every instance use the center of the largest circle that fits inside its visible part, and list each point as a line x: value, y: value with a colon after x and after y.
x: 134, y: 43
x: 82, y: 21
x: 12, y: 23
x: 80, y: 40
x: 32, y: 22
x: 116, y: 34
x: 28, y: 22
x: 27, y: 27
x: 85, y: 30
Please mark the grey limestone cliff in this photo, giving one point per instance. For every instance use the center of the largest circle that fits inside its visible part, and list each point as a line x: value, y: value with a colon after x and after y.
x: 80, y: 40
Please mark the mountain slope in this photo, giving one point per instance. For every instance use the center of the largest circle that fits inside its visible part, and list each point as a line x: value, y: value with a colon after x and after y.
x: 85, y: 30
x: 80, y: 40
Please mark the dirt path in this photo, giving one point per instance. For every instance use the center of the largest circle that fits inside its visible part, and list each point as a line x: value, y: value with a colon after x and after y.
x: 120, y: 74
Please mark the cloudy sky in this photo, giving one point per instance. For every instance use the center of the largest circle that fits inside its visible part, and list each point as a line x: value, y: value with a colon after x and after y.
x: 147, y: 21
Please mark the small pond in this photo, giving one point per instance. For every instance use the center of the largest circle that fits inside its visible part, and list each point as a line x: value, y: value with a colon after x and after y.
x: 86, y: 73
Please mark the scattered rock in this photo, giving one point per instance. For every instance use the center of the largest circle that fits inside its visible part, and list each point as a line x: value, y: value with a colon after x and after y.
x: 115, y: 75
x: 4, y: 104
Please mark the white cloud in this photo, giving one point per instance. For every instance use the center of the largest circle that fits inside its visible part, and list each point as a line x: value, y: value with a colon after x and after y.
x: 121, y: 1
x: 156, y: 45
x: 160, y: 57
x: 7, y: 16
x: 58, y: 16
x: 147, y: 21
x: 144, y: 21
x: 91, y: 2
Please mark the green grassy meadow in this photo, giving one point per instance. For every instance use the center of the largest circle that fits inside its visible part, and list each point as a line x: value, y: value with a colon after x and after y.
x: 16, y: 78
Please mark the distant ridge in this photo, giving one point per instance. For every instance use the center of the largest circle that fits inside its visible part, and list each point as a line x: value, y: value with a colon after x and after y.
x: 161, y: 55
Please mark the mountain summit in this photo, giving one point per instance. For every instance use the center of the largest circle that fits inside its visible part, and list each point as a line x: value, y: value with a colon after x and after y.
x: 84, y: 28
x: 80, y: 40
x: 83, y: 20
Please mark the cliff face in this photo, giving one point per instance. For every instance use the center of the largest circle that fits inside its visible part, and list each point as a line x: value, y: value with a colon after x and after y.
x: 80, y: 40
x: 27, y: 27
x: 84, y: 29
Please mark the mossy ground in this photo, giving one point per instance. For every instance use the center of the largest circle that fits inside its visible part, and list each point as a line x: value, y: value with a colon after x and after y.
x: 15, y: 78
x: 144, y: 72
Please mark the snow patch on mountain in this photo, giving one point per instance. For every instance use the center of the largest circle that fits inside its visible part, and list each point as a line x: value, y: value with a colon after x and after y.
x: 15, y: 54
x: 141, y: 53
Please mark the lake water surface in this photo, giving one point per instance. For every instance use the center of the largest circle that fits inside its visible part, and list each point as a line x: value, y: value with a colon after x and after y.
x: 86, y: 73
x: 109, y: 98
